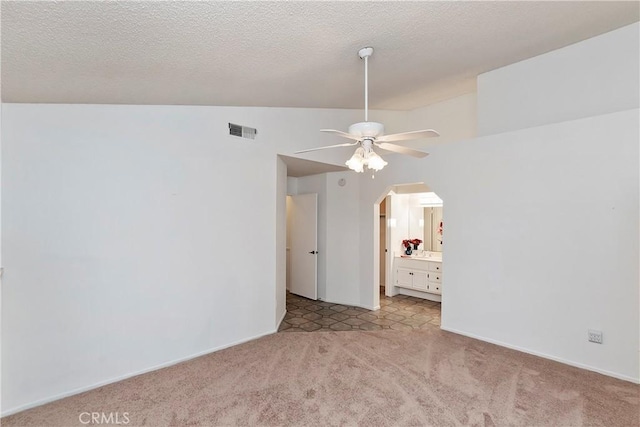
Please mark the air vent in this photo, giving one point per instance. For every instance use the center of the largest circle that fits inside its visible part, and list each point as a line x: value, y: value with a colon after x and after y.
x: 242, y: 131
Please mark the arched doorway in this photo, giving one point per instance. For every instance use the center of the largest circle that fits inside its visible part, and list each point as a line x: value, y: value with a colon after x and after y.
x: 412, y: 243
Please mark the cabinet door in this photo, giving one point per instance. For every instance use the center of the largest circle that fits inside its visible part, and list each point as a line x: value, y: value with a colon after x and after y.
x: 404, y: 278
x: 420, y: 280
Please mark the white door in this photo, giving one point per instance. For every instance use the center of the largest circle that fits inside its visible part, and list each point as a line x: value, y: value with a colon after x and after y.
x: 304, y: 245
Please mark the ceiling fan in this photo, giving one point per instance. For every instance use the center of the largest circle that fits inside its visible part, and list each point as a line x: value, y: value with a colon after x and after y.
x: 369, y: 134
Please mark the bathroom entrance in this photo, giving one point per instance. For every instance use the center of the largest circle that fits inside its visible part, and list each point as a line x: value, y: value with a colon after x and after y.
x: 411, y: 242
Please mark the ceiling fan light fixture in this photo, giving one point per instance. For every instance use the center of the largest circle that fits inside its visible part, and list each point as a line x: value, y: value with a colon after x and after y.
x: 357, y: 161
x: 365, y: 156
x: 375, y: 162
x: 369, y: 134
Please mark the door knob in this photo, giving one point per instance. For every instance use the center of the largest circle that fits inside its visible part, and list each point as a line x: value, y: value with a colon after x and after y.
x: 313, y: 252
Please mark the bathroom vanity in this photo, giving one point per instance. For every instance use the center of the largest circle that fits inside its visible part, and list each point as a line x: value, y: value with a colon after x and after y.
x: 418, y: 276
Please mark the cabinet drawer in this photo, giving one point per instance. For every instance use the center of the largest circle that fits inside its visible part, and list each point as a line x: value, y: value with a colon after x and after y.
x: 435, y: 266
x: 435, y: 288
x: 435, y: 277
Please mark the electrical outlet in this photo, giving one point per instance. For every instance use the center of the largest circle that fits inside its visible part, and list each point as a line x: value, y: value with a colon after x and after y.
x: 595, y: 336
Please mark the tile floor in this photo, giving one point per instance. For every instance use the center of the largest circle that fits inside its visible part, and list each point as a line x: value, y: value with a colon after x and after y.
x: 400, y: 312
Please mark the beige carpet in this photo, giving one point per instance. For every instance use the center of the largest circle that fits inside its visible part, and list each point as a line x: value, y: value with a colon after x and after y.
x: 378, y: 378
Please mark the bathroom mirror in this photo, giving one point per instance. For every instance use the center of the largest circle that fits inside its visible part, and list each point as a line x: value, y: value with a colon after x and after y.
x: 433, y: 228
x: 419, y: 216
x: 416, y: 223
x: 425, y: 221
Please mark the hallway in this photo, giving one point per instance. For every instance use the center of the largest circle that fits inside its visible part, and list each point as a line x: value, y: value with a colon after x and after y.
x: 399, y: 313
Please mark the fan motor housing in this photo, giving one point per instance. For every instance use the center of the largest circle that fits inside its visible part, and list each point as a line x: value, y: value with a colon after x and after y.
x: 367, y: 129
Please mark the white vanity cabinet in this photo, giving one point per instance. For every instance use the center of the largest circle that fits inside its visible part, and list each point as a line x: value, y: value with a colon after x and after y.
x: 434, y: 284
x: 419, y: 275
x: 412, y: 279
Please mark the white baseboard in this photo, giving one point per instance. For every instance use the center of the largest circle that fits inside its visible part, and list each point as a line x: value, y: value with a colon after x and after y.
x: 366, y: 307
x: 545, y: 356
x: 424, y: 295
x: 126, y: 376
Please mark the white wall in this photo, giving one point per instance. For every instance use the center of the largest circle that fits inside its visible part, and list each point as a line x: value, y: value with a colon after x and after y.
x: 400, y: 212
x: 292, y: 188
x: 342, y: 234
x: 455, y: 119
x: 543, y: 257
x: 593, y: 77
x: 535, y: 194
x: 338, y: 232
x: 281, y: 241
x: 121, y: 231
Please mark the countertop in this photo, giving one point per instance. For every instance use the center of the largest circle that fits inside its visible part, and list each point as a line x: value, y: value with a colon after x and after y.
x: 420, y: 258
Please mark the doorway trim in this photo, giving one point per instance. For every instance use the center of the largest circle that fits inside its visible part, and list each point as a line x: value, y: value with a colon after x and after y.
x: 376, y: 249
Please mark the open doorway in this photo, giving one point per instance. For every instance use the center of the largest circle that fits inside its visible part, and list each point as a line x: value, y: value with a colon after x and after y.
x: 411, y: 245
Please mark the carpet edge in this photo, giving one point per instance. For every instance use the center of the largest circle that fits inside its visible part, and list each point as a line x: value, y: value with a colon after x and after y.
x: 545, y: 356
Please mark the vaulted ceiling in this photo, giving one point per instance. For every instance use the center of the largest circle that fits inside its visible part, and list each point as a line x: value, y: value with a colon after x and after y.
x: 280, y: 54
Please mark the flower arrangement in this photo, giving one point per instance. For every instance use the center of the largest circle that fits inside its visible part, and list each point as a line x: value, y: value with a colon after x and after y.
x: 408, y: 242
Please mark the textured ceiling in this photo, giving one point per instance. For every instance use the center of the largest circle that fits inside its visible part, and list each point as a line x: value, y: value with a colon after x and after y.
x: 280, y: 54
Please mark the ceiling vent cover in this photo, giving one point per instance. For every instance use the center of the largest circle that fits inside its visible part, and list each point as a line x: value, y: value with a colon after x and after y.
x: 242, y: 131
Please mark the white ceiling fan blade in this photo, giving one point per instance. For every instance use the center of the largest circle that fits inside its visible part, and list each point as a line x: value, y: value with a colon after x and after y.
x: 402, y: 150
x: 405, y: 136
x: 346, y: 144
x: 340, y: 133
